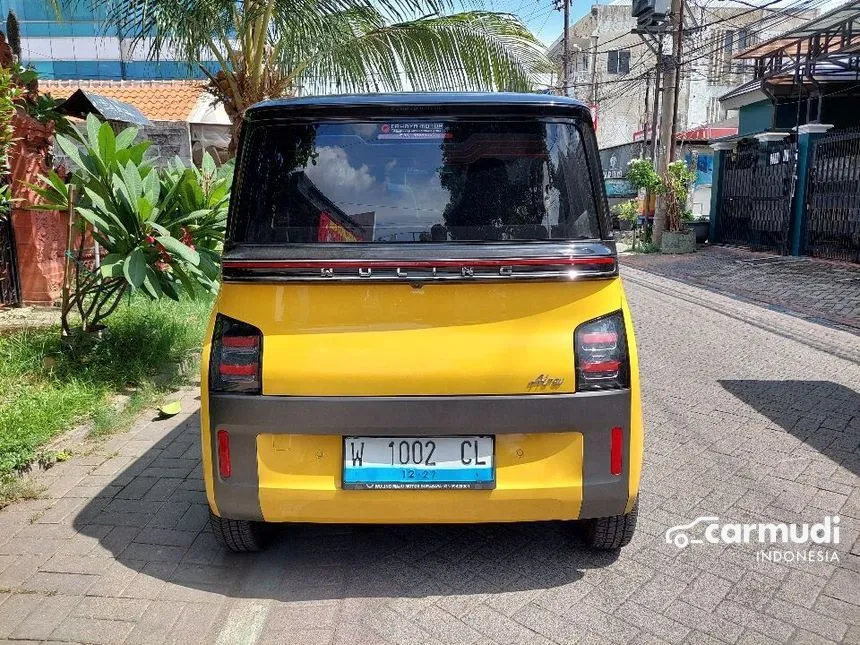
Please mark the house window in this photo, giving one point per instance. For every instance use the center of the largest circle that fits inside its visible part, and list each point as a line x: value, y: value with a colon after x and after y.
x: 618, y: 61
x: 624, y: 62
x: 743, y: 37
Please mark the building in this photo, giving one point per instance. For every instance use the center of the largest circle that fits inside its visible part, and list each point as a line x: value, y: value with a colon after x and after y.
x: 79, y: 45
x: 788, y: 181
x: 607, y: 69
x: 614, y: 70
x: 184, y: 119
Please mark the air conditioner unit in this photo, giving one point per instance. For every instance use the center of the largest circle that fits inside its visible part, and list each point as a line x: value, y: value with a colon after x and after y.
x: 650, y: 13
x: 642, y: 8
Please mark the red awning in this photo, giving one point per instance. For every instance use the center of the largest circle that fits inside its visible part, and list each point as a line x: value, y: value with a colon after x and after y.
x: 705, y: 133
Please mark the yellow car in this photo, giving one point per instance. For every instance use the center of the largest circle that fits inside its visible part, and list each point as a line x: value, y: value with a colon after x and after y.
x: 421, y: 320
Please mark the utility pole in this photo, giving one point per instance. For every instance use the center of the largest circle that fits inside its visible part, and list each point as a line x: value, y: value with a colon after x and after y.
x: 595, y: 38
x: 667, y: 135
x: 565, y: 56
x: 656, y: 111
x: 644, y: 147
x: 679, y: 49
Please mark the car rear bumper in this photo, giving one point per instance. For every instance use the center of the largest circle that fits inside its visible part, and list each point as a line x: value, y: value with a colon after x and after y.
x: 552, y: 456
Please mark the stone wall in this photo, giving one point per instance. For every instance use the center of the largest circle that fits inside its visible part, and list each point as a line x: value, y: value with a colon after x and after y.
x: 169, y: 139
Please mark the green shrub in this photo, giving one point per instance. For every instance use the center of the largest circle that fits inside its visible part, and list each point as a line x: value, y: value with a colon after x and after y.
x: 45, y: 391
x: 154, y: 244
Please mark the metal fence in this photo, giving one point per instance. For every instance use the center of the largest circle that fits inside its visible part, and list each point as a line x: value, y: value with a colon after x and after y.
x: 757, y: 189
x: 833, y: 204
x: 8, y: 264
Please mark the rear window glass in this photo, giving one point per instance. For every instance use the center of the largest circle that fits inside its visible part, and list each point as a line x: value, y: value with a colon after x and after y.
x: 414, y: 182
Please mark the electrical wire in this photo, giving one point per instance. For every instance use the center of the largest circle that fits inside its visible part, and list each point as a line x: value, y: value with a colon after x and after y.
x: 777, y: 14
x: 772, y: 21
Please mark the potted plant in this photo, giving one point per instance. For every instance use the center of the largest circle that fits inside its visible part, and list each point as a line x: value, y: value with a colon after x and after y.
x: 627, y: 213
x: 677, y: 238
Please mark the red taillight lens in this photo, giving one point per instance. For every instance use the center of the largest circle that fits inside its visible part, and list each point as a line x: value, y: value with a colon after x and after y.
x: 601, y: 356
x: 224, y: 454
x: 236, y: 354
x: 616, y: 451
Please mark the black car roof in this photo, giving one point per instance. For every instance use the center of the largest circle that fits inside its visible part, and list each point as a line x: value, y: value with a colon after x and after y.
x: 417, y: 103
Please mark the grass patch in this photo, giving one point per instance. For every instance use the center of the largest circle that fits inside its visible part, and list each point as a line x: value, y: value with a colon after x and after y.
x: 44, y: 391
x: 15, y: 488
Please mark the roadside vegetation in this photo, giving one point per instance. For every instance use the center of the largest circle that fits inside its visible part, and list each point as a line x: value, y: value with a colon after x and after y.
x: 45, y: 390
x: 144, y: 240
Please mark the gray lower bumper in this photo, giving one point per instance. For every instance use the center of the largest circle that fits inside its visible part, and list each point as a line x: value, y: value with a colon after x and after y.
x: 592, y: 414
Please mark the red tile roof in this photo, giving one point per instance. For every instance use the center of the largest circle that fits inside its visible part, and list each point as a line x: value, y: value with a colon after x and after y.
x: 158, y: 100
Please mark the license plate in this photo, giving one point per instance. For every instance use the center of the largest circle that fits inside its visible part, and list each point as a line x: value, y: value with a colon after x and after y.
x: 418, y: 462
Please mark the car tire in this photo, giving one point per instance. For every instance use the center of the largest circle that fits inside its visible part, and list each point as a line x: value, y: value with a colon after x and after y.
x: 614, y: 532
x: 239, y: 536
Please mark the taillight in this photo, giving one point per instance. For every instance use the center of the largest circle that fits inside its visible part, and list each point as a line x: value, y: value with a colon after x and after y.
x: 236, y: 354
x: 601, y: 356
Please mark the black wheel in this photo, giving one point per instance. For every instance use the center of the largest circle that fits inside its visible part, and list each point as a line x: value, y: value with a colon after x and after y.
x: 611, y: 532
x: 239, y: 536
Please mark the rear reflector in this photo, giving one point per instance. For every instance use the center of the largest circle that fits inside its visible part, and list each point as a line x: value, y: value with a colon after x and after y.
x: 224, y: 454
x: 616, y: 451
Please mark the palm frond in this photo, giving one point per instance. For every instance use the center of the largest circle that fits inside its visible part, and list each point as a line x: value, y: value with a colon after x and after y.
x: 268, y: 48
x: 474, y: 50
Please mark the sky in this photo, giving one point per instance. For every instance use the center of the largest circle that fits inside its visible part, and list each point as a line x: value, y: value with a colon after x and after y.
x: 540, y: 16
x: 546, y: 23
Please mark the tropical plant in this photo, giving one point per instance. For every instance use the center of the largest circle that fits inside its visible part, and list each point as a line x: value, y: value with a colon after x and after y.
x: 9, y: 94
x: 43, y: 108
x: 197, y: 198
x: 677, y: 183
x: 641, y: 174
x: 274, y: 48
x: 627, y: 211
x: 135, y: 217
x: 13, y: 33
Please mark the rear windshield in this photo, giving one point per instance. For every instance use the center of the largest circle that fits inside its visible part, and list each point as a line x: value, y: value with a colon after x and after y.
x: 414, y: 182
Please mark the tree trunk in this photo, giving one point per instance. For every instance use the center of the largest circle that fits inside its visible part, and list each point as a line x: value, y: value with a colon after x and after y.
x: 235, y: 129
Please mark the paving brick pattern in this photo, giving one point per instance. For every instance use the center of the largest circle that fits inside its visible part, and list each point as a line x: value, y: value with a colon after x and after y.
x: 820, y: 290
x: 747, y: 419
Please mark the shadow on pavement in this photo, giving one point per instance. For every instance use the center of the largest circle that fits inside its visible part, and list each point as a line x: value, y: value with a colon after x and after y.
x: 152, y: 516
x: 822, y: 414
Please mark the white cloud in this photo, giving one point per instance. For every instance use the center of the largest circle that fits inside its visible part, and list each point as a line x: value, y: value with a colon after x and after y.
x: 334, y: 175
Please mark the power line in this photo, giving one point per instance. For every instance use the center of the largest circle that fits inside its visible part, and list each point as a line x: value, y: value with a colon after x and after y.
x: 777, y: 14
x: 777, y: 21
x: 773, y: 21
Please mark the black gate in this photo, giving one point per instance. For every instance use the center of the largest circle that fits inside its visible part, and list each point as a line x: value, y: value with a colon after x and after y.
x: 833, y: 206
x: 8, y: 263
x: 757, y: 187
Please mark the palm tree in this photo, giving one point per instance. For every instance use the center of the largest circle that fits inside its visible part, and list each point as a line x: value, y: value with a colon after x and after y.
x: 274, y: 48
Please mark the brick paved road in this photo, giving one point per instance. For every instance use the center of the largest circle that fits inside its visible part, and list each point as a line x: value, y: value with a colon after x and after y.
x: 830, y: 291
x: 747, y: 418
